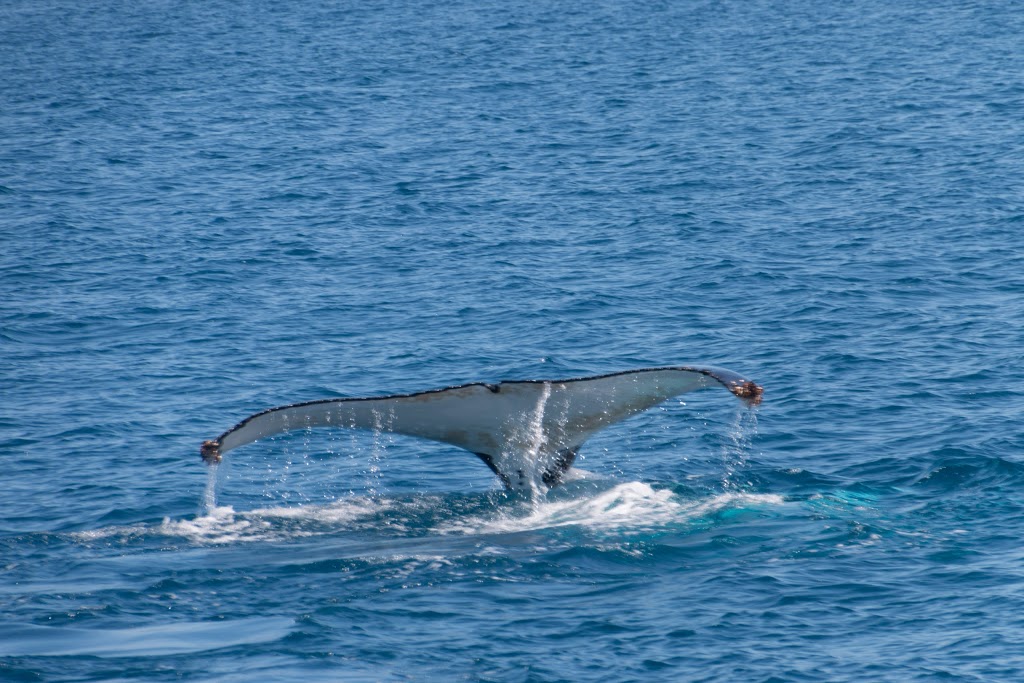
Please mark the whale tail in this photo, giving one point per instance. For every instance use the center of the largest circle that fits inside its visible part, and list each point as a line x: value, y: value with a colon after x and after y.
x: 525, y: 431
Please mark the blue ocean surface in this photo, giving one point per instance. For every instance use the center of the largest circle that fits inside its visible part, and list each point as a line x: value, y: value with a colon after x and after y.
x: 211, y: 208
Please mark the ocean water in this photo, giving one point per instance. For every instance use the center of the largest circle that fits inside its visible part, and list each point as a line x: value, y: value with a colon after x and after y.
x: 211, y: 208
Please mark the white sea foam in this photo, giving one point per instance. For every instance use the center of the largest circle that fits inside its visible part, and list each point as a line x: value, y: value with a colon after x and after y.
x: 632, y: 506
x: 340, y: 512
x: 91, y: 535
x: 220, y: 525
x: 225, y: 525
x: 625, y: 508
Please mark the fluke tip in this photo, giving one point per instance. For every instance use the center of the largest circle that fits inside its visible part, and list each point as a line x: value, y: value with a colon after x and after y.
x: 749, y: 392
x: 210, y: 452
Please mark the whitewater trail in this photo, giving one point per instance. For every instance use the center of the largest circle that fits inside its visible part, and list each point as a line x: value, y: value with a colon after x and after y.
x: 626, y: 508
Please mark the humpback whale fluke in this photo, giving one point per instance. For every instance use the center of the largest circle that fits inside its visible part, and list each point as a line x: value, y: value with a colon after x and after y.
x: 526, y: 431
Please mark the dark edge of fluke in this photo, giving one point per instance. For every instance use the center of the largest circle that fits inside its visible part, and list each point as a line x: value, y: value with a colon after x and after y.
x: 748, y: 391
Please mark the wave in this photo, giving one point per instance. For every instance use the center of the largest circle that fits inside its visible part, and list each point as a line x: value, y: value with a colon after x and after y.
x: 187, y: 637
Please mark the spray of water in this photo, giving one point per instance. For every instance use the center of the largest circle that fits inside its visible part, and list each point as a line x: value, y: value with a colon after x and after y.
x: 373, y: 473
x: 736, y: 449
x: 209, y: 501
x: 537, y: 442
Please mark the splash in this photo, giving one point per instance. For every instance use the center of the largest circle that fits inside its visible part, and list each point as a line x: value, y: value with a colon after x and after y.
x: 536, y: 433
x: 736, y: 449
x: 224, y: 525
x: 377, y: 452
x: 538, y: 441
x: 209, y: 501
x: 526, y: 454
x: 220, y: 525
x: 629, y: 508
x: 622, y: 510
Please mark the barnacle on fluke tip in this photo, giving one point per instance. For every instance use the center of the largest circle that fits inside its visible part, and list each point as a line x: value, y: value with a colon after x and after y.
x: 748, y: 391
x: 210, y: 451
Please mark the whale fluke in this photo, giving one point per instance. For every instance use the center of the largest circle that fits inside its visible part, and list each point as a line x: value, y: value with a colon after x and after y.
x: 528, y: 432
